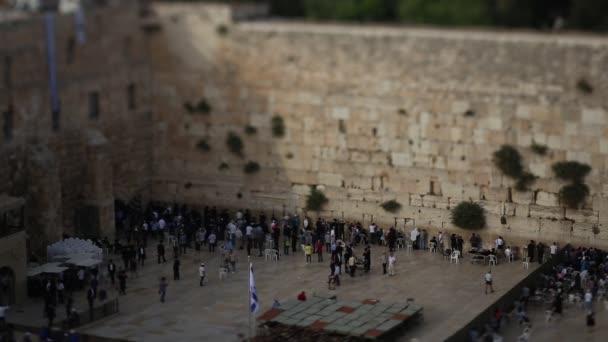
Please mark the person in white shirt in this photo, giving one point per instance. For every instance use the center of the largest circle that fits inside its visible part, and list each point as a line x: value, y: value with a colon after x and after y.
x: 372, y: 232
x: 391, y: 264
x: 500, y: 243
x: 588, y: 301
x: 508, y: 253
x: 414, y: 236
x: 488, y: 279
x: 440, y: 241
x: 201, y: 273
x: 553, y: 249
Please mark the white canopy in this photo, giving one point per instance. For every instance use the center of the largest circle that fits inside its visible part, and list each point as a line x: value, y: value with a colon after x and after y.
x: 51, y: 267
x: 83, y: 262
x: 74, y: 247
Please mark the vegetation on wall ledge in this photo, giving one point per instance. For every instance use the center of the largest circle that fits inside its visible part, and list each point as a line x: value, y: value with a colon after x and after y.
x: 316, y: 199
x: 278, y: 126
x: 202, y: 107
x: 222, y: 29
x: 572, y: 171
x: 508, y: 160
x: 573, y: 195
x: 234, y: 143
x: 251, y: 167
x: 539, y: 149
x: 391, y: 206
x: 469, y: 215
x: 223, y: 166
x: 203, y: 146
x: 250, y: 130
x: 584, y: 86
x: 524, y: 181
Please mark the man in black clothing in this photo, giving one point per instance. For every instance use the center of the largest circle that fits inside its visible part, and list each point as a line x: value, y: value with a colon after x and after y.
x: 531, y: 250
x: 160, y: 249
x: 90, y: 300
x: 111, y: 270
x: 176, y: 269
x: 541, y: 251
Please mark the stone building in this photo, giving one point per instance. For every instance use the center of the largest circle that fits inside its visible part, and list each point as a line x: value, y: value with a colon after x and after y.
x: 370, y: 114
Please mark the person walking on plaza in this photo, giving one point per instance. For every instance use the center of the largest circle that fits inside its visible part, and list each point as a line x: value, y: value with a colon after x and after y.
x: 162, y: 288
x: 391, y: 264
x: 212, y: 241
x: 540, y: 248
x: 414, y: 234
x: 308, y: 252
x: 122, y: 281
x: 488, y: 279
x: 176, y: 264
x: 91, y: 300
x: 319, y: 251
x: 367, y: 258
x: 201, y: 274
x: 384, y: 260
x: 531, y: 250
x: 351, y: 265
x: 111, y: 270
x: 141, y: 254
x: 160, y: 250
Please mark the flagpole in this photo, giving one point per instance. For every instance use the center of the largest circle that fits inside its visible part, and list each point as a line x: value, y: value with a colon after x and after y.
x: 249, y: 297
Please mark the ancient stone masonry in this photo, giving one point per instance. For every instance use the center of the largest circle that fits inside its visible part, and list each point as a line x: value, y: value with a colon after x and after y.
x: 374, y: 114
x: 370, y: 114
x: 91, y: 159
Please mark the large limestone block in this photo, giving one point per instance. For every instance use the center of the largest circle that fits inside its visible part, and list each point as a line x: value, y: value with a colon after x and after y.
x: 593, y: 116
x: 547, y: 199
x: 583, y: 216
x: 551, y: 213
x: 330, y: 179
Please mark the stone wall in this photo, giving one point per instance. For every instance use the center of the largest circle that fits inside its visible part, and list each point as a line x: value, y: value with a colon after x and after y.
x: 89, y: 160
x: 375, y: 113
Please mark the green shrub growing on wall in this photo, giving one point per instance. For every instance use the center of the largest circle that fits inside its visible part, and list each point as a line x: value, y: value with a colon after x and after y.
x: 202, y: 107
x: 234, y: 143
x: 539, y: 148
x: 316, y: 199
x: 469, y: 215
x: 391, y: 206
x: 250, y: 130
x: 508, y: 160
x: 584, y: 86
x: 278, y: 126
x: 223, y: 166
x: 203, y: 146
x: 251, y: 167
x: 572, y: 171
x: 573, y: 195
x: 524, y: 181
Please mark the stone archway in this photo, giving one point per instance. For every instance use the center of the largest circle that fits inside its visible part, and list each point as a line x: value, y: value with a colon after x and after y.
x: 7, y: 286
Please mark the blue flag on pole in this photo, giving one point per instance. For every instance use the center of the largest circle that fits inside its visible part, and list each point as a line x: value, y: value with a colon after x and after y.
x: 253, y: 301
x: 51, y: 61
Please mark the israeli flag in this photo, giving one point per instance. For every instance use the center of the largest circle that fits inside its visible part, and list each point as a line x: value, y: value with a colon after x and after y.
x: 253, y: 301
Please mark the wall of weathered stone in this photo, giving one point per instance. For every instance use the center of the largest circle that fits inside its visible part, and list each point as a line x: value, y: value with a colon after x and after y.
x: 377, y: 113
x: 113, y: 57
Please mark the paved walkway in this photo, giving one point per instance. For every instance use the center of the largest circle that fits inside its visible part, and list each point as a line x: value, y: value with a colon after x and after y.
x: 451, y: 294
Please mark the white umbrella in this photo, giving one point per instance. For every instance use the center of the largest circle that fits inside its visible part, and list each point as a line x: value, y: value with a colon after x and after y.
x: 83, y: 262
x: 34, y: 271
x: 52, y: 267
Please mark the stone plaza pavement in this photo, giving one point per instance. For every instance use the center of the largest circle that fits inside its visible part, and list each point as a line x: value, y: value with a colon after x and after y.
x: 451, y: 294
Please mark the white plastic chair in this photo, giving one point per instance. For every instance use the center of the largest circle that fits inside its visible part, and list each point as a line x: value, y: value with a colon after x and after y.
x: 455, y: 256
x: 492, y: 260
x: 432, y: 248
x: 526, y: 263
x: 223, y: 273
x: 410, y: 246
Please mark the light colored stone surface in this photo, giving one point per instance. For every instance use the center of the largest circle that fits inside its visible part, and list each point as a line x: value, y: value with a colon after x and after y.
x: 219, y: 310
x: 402, y: 113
